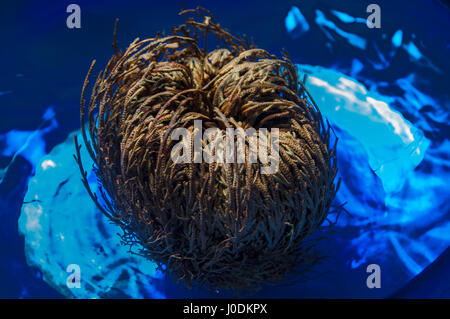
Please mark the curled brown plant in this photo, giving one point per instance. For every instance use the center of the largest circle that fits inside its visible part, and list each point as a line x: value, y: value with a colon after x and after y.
x: 222, y: 225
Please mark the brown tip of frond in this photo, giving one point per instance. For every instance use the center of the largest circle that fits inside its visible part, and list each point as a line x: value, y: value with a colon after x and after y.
x: 114, y: 44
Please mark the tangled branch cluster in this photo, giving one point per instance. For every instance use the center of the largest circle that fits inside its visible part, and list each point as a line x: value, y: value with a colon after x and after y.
x: 213, y: 224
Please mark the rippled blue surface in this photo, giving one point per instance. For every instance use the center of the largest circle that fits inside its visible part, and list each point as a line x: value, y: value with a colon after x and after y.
x: 385, y: 92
